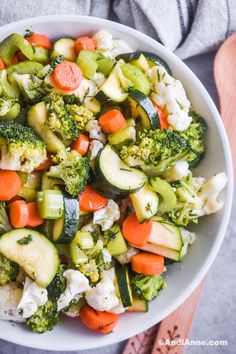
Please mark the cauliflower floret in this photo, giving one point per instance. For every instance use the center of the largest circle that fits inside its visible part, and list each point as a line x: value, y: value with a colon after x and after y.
x: 119, y: 47
x: 106, y: 256
x: 95, y: 131
x: 77, y: 284
x: 103, y: 296
x: 170, y: 93
x: 118, y: 308
x: 177, y: 172
x: 103, y: 40
x: 95, y: 146
x: 99, y: 79
x: 21, y: 149
x: 10, y: 295
x: 209, y: 194
x: 188, y: 238
x: 33, y: 296
x: 107, y: 215
x: 179, y: 120
x: 126, y: 257
x: 90, y: 228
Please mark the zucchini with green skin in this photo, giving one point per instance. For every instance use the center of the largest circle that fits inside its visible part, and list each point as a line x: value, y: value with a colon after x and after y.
x: 65, y: 47
x: 37, y: 116
x: 142, y: 107
x: 137, y: 77
x: 152, y: 59
x: 165, y: 234
x: 33, y: 252
x: 64, y: 228
x: 164, y: 239
x: 121, y: 179
x: 123, y: 282
x: 138, y: 305
x: 123, y: 136
x: 112, y: 91
x: 145, y: 203
x: 141, y: 63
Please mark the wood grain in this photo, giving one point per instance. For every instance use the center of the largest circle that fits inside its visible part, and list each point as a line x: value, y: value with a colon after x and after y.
x: 225, y: 78
x: 177, y: 325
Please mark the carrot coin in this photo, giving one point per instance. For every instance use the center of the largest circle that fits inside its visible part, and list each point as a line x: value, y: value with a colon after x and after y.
x: 67, y: 76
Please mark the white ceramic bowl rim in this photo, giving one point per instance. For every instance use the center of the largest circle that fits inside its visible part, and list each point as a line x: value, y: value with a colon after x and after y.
x: 228, y: 196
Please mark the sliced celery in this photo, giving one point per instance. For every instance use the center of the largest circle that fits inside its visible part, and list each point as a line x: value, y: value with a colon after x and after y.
x: 50, y: 204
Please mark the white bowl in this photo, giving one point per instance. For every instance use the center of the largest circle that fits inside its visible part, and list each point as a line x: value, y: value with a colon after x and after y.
x: 183, y: 277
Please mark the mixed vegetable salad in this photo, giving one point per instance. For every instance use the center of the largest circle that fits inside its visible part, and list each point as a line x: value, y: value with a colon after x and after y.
x: 97, y: 147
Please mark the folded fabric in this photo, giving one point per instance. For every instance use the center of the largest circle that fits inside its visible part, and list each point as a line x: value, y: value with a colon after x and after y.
x: 188, y: 27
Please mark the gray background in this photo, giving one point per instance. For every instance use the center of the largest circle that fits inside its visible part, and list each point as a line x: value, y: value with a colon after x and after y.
x: 215, y: 319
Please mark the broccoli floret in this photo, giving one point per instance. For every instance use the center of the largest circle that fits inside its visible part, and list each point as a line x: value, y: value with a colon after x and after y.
x: 195, y: 135
x: 60, y: 120
x: 5, y: 225
x: 188, y: 202
x: 57, y: 286
x: 147, y: 287
x: 8, y: 270
x: 9, y: 108
x: 73, y: 169
x: 158, y: 149
x: 81, y: 114
x: 21, y: 149
x: 74, y: 307
x: 94, y: 264
x: 89, y: 261
x: 30, y: 86
x: 45, y: 318
x: 90, y: 270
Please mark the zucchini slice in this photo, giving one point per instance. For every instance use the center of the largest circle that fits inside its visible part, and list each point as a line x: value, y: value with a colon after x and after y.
x: 165, y: 234
x: 116, y: 174
x: 138, y: 305
x: 122, y: 276
x: 112, y: 91
x: 152, y: 59
x: 145, y: 203
x: 163, y: 251
x: 115, y: 241
x: 123, y: 136
x: 33, y: 252
x: 137, y: 77
x: 65, y: 47
x: 142, y: 106
x: 64, y: 228
x: 165, y: 239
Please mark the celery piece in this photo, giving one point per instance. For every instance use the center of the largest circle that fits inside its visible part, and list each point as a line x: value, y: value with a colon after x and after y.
x: 25, y: 67
x: 50, y: 204
x: 10, y: 45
